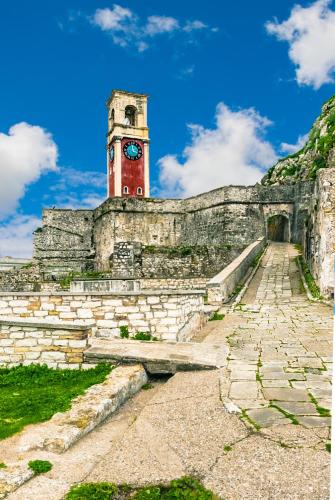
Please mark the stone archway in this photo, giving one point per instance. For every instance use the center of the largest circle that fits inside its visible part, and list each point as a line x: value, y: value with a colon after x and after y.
x: 278, y: 228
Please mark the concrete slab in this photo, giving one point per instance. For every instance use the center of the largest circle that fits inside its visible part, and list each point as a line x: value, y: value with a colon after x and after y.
x: 159, y: 357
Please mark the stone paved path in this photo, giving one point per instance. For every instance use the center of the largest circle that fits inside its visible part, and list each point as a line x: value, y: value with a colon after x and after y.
x: 280, y: 364
x: 279, y: 368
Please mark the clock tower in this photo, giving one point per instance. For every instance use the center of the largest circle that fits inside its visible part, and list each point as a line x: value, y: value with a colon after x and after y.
x: 127, y: 145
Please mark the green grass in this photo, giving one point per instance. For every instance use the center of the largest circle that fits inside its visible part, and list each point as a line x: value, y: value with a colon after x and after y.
x: 124, y: 332
x: 40, y: 466
x: 3, y: 465
x: 147, y: 386
x: 309, y: 278
x: 245, y: 417
x: 323, y: 412
x: 288, y: 415
x: 216, y: 317
x: 329, y: 447
x: 31, y: 394
x: 87, y: 275
x: 143, y: 336
x: 186, y: 488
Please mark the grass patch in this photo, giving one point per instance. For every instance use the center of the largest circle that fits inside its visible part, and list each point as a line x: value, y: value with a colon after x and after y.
x: 32, y: 394
x: 144, y: 336
x: 87, y: 275
x: 40, y: 466
x: 323, y: 412
x: 256, y: 259
x: 147, y: 386
x: 3, y: 465
x: 124, y: 332
x: 246, y: 418
x: 236, y: 291
x: 313, y: 288
x: 288, y: 415
x: 216, y: 317
x: 329, y: 447
x: 186, y: 488
x: 227, y: 448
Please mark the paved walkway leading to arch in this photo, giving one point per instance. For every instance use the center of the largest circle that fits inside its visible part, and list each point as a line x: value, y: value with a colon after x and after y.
x: 278, y: 374
x: 280, y: 364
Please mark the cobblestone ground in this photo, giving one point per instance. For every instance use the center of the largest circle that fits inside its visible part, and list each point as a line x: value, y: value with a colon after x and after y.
x: 280, y: 348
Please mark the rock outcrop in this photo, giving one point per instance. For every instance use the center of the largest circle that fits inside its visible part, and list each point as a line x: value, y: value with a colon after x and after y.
x: 318, y: 152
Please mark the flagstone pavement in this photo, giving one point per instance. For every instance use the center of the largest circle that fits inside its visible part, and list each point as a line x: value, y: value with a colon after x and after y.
x: 280, y: 364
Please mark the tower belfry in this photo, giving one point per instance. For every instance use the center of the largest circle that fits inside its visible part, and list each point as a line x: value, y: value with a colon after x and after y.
x: 127, y: 145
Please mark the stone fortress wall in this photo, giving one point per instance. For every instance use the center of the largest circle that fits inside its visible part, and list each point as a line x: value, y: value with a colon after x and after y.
x: 132, y: 237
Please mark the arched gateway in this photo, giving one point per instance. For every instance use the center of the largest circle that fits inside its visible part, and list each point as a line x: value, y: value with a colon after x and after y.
x: 278, y: 228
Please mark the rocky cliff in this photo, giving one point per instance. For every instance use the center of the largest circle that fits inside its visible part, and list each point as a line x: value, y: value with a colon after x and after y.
x: 318, y: 152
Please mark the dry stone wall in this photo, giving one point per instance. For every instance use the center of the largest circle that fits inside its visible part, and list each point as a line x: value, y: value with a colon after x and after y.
x: 165, y: 314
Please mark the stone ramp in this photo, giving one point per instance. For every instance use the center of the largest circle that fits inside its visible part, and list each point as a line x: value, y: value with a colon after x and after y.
x: 159, y: 357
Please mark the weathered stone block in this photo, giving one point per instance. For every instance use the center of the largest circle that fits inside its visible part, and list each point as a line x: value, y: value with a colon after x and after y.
x: 28, y: 342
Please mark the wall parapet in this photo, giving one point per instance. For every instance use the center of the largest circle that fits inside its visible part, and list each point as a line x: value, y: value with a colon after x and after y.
x: 223, y: 284
x: 166, y: 314
x: 58, y: 344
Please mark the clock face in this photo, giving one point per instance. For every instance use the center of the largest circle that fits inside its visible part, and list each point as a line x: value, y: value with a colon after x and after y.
x: 111, y: 153
x: 132, y: 150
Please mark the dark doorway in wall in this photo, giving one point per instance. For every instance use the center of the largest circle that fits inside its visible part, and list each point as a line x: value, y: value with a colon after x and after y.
x: 278, y: 228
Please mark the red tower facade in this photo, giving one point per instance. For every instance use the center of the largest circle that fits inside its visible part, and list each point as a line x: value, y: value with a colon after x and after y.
x: 127, y: 145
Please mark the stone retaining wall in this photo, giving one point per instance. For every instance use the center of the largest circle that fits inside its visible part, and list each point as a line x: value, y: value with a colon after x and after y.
x: 164, y: 314
x: 173, y: 283
x: 223, y: 284
x: 60, y: 345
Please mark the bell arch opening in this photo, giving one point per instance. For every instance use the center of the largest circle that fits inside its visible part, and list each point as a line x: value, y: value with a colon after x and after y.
x: 278, y: 228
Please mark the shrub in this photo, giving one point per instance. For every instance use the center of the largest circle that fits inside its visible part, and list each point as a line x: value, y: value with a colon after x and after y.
x: 124, y: 332
x: 186, y: 488
x: 40, y: 466
x: 143, y: 336
x: 92, y: 491
x: 216, y: 316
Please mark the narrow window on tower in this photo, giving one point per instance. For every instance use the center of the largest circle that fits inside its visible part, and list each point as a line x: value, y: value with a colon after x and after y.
x: 130, y: 116
x: 139, y: 190
x: 125, y: 190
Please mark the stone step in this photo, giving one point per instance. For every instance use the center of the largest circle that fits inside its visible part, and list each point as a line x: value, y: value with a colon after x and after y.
x: 159, y: 357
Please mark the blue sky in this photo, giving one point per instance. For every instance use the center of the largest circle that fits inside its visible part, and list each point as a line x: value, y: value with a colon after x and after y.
x: 232, y: 85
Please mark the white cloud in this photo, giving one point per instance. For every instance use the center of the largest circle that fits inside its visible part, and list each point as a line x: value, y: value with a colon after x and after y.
x: 16, y: 238
x: 83, y: 201
x: 127, y: 28
x: 194, y: 25
x: 26, y: 152
x: 157, y: 25
x: 71, y: 177
x: 235, y: 152
x: 112, y: 19
x: 293, y: 148
x: 310, y: 32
